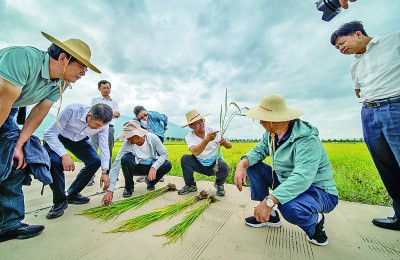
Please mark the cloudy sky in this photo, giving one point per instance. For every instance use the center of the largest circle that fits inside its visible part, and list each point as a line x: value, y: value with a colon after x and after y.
x: 174, y: 56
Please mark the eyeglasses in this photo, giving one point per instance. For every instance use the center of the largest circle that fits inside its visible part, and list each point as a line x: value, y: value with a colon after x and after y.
x: 83, y: 67
x: 198, y: 122
x: 143, y: 116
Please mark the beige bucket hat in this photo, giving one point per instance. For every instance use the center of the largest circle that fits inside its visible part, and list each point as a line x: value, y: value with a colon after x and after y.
x: 77, y: 48
x: 193, y: 116
x: 273, y: 108
x: 132, y: 128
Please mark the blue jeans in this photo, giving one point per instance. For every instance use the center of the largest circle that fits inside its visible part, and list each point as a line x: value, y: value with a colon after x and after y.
x: 190, y: 164
x: 12, y: 207
x: 85, y: 152
x: 130, y: 169
x: 302, y: 210
x: 381, y: 130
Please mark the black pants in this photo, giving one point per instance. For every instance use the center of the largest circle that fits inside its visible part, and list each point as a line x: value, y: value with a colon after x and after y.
x: 130, y: 169
x: 190, y: 164
x: 85, y: 152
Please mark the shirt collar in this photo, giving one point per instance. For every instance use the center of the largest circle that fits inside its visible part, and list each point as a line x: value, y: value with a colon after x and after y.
x: 373, y: 41
x: 103, y: 98
x: 84, y: 114
x: 46, y: 67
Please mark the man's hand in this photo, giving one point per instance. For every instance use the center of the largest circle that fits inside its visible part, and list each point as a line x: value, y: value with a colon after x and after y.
x: 19, y: 156
x: 104, y: 181
x: 68, y: 163
x: 152, y: 174
x: 345, y: 3
x: 107, y: 198
x: 240, y: 173
x: 211, y: 136
x: 262, y: 212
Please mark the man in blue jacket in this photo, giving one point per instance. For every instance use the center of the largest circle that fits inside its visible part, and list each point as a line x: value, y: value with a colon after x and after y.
x: 300, y: 174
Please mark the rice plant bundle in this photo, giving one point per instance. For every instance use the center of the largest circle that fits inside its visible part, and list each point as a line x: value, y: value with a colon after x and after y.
x: 224, y: 121
x: 171, y: 210
x: 115, y: 209
x: 177, y: 231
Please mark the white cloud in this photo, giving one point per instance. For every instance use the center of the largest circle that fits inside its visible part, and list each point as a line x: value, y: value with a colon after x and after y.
x: 173, y: 56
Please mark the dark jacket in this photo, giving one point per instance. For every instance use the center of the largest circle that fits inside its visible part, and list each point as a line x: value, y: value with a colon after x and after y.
x: 36, y: 157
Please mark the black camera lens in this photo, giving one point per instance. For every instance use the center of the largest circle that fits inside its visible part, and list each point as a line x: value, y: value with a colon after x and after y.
x: 329, y: 9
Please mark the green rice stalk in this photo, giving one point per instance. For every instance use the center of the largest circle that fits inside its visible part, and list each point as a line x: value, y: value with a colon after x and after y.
x: 171, y: 210
x: 177, y: 231
x: 106, y: 213
x: 224, y: 122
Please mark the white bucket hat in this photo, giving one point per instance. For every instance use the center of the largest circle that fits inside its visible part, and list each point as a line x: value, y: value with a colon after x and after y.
x: 273, y: 108
x: 132, y: 128
x: 77, y: 48
x: 193, y: 116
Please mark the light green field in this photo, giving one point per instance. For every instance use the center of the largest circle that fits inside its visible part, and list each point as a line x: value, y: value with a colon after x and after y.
x: 355, y: 174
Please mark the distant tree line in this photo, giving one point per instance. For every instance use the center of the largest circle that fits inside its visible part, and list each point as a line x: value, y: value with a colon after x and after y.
x: 354, y: 140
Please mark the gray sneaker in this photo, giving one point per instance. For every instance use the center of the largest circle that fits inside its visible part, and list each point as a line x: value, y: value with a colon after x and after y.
x: 140, y: 178
x: 220, y: 189
x: 187, y: 188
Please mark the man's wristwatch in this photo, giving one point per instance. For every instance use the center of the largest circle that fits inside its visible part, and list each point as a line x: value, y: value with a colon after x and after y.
x: 105, y: 172
x: 270, y: 202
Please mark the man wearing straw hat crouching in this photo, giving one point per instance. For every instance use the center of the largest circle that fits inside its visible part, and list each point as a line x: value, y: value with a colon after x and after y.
x: 300, y: 174
x: 203, y: 144
x: 30, y: 76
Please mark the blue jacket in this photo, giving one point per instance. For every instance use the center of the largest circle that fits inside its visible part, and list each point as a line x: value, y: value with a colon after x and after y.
x: 156, y: 122
x: 36, y: 157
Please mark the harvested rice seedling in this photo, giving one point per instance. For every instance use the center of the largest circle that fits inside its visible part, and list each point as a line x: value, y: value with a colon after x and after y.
x: 171, y: 210
x: 177, y: 231
x: 224, y: 121
x: 114, y: 210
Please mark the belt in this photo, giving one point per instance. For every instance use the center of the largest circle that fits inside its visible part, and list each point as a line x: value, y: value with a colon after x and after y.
x: 381, y: 102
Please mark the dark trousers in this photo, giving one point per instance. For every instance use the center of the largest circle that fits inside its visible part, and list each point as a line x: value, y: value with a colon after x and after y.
x: 190, y: 164
x: 130, y: 169
x: 302, y: 210
x: 85, y: 152
x: 382, y: 136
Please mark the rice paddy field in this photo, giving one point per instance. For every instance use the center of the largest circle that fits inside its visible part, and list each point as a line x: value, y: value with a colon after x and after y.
x: 355, y: 174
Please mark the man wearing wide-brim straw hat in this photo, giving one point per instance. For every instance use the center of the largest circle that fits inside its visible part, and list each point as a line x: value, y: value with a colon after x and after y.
x: 30, y: 76
x: 300, y: 174
x: 203, y: 144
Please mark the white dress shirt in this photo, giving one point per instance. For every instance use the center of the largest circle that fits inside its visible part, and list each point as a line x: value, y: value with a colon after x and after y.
x: 377, y: 71
x: 73, y: 126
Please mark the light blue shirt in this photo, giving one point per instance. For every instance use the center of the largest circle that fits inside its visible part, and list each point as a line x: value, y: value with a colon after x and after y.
x: 156, y: 122
x: 73, y: 126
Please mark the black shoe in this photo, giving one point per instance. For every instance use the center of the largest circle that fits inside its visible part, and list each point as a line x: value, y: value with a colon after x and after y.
x: 319, y: 237
x: 388, y: 223
x: 220, y: 189
x: 187, y: 188
x: 127, y: 193
x: 149, y: 187
x: 77, y: 199
x: 272, y: 222
x: 23, y: 231
x: 57, y: 210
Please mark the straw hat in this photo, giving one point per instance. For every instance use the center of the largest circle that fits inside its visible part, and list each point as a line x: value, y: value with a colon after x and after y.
x: 77, y: 48
x: 273, y: 108
x: 132, y: 128
x: 193, y: 116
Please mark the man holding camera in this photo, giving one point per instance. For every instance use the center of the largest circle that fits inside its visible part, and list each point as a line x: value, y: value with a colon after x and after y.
x: 375, y: 71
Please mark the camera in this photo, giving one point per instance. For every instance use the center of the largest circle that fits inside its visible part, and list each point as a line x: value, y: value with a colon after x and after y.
x: 329, y: 9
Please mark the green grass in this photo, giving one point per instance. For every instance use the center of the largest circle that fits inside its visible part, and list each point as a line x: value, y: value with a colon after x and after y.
x: 355, y: 174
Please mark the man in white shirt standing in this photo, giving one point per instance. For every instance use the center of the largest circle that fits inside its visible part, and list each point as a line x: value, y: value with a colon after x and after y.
x: 375, y: 71
x: 141, y: 154
x: 105, y: 89
x: 70, y: 132
x: 203, y: 144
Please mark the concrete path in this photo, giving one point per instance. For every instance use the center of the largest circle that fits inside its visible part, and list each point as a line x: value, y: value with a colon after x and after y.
x: 220, y: 233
